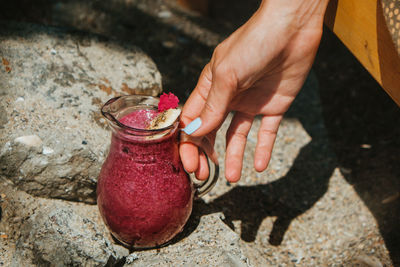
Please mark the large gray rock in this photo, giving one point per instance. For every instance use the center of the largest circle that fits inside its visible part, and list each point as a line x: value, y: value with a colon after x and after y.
x: 52, y: 84
x: 212, y: 243
x: 54, y: 232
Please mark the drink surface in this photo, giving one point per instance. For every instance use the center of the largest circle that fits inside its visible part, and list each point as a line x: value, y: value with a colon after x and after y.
x: 143, y: 193
x: 139, y: 119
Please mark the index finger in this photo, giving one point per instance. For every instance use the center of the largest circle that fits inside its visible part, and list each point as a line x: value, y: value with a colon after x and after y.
x: 197, y: 99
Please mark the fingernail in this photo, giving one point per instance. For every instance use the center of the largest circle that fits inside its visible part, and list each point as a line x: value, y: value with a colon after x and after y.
x: 193, y: 126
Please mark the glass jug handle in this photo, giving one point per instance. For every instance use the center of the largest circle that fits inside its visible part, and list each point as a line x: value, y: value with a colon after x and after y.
x: 204, y: 187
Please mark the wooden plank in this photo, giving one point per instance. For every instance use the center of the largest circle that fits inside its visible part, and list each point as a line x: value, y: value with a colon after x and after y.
x: 360, y: 25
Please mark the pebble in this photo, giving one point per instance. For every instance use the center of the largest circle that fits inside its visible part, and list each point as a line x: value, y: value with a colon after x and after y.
x: 7, y: 146
x: 200, y: 243
x: 366, y: 146
x: 131, y: 258
x: 29, y: 140
x: 168, y: 44
x: 164, y: 14
x: 391, y: 198
x: 19, y: 99
x: 369, y: 261
x: 47, y: 150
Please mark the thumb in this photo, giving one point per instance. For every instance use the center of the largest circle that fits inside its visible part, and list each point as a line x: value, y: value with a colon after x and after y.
x: 216, y: 105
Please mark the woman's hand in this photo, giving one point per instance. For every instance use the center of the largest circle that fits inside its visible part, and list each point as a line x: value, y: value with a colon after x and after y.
x: 258, y: 70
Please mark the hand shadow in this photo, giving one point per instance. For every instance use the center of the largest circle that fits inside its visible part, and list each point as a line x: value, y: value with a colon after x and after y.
x: 286, y: 198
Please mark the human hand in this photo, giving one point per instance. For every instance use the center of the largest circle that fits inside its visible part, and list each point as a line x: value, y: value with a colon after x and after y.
x: 258, y: 70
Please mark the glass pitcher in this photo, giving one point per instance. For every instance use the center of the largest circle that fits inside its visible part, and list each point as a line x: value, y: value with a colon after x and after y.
x: 144, y: 195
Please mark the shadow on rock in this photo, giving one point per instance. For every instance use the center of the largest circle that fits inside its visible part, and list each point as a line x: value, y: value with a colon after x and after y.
x: 286, y: 198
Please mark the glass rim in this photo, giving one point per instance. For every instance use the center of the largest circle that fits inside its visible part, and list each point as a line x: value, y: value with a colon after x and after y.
x: 111, y: 118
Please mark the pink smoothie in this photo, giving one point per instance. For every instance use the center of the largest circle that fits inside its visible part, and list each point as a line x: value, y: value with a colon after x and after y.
x: 143, y: 193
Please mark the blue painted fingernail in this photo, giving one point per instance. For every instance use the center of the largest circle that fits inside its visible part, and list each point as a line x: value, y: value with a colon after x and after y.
x: 193, y: 126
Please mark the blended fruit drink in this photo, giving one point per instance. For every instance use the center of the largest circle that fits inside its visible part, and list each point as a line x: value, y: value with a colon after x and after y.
x: 144, y: 195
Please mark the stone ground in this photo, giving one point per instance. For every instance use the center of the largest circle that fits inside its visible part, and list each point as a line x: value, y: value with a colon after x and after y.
x: 331, y: 195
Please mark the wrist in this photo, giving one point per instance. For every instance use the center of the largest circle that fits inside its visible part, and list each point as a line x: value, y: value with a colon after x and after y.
x: 294, y: 14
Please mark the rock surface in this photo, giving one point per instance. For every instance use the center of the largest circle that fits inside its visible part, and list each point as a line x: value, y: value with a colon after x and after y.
x: 53, y: 138
x: 203, y: 247
x: 54, y: 232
